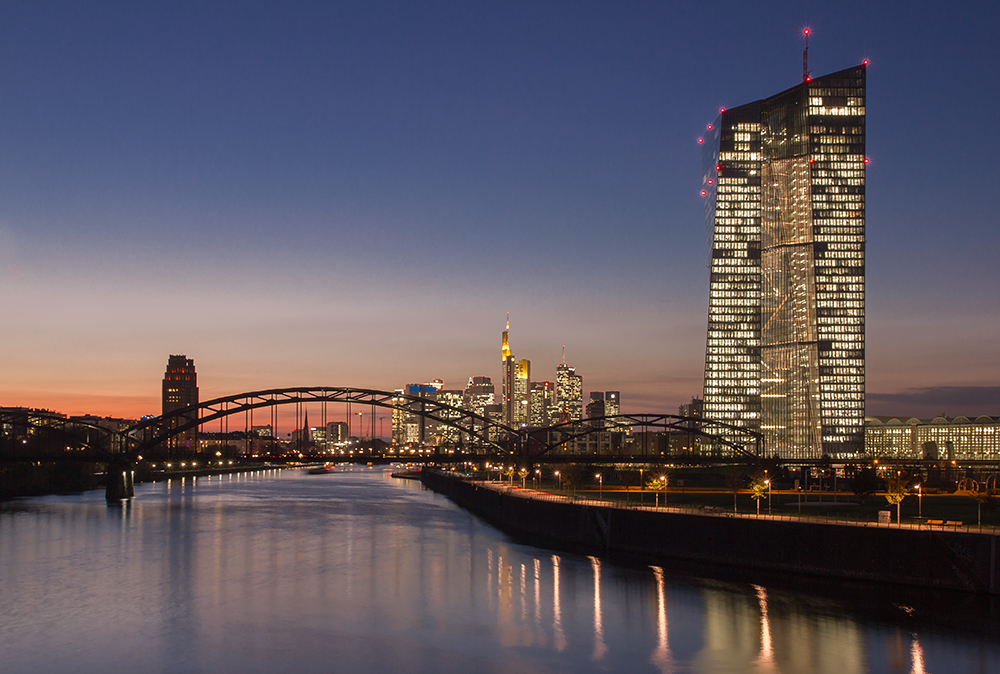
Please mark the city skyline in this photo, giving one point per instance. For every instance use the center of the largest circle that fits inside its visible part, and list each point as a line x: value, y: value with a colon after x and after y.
x: 356, y: 197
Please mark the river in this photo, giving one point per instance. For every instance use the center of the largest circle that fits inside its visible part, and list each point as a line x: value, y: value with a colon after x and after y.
x: 357, y: 572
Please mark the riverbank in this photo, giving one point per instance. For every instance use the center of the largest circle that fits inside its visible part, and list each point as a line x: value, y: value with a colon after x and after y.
x: 931, y: 557
x: 19, y: 480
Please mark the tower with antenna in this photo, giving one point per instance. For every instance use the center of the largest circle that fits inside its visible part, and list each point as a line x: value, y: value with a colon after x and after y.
x: 805, y: 57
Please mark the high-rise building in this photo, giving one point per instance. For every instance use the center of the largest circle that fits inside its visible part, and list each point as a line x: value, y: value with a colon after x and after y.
x: 543, y: 403
x: 595, y: 408
x: 784, y: 183
x: 509, y: 374
x: 569, y: 391
x: 180, y: 389
x: 414, y: 428
x: 522, y: 393
x: 479, y: 393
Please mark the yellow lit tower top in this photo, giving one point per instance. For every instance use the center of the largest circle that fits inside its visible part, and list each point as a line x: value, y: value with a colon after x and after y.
x: 505, y: 349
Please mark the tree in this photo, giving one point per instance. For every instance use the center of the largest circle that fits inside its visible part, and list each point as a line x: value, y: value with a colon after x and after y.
x: 758, y: 486
x: 864, y: 483
x: 734, y: 480
x: 983, y: 496
x: 896, y: 488
x: 572, y: 475
x: 658, y: 483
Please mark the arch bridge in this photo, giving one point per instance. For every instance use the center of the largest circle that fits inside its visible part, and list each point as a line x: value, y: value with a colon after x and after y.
x: 119, y: 448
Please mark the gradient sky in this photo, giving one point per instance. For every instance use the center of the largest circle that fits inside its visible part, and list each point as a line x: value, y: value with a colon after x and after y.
x: 355, y: 194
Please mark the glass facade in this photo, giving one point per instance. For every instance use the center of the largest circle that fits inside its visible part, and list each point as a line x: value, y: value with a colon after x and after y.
x: 784, y: 188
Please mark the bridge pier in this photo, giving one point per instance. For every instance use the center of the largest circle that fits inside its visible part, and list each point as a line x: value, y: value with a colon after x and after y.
x: 120, y: 480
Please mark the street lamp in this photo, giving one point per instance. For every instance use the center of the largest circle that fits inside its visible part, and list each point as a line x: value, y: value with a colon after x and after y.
x: 663, y: 488
x: 600, y: 491
x: 920, y: 502
x: 538, y: 477
x: 768, y: 483
x: 559, y: 480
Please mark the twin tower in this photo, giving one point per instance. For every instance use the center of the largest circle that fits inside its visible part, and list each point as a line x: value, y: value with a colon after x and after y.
x: 784, y: 181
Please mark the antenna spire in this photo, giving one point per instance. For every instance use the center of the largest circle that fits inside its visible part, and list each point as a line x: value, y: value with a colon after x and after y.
x: 805, y: 57
x: 508, y: 320
x: 564, y: 354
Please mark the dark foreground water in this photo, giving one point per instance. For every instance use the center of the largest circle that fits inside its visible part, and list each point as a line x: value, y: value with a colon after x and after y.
x: 357, y: 572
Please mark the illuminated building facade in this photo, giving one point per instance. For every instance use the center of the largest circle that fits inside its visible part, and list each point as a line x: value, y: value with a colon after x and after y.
x: 521, y: 405
x: 180, y: 389
x: 784, y: 183
x: 944, y: 438
x: 509, y: 374
x: 569, y: 392
x: 479, y: 393
x: 543, y: 403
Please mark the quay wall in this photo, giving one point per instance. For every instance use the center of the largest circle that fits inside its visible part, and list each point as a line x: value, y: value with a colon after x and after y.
x: 933, y: 558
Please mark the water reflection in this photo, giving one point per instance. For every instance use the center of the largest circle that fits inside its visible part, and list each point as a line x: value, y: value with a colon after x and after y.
x: 272, y: 572
x: 600, y: 648
x: 661, y: 655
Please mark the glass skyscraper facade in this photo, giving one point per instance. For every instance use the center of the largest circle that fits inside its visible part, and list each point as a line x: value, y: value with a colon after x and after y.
x: 784, y: 182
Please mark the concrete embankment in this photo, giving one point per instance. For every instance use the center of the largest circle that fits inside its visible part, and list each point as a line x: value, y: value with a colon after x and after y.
x: 955, y: 560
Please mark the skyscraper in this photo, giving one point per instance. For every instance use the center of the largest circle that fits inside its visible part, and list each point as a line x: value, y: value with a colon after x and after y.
x: 180, y: 389
x: 479, y: 393
x: 543, y: 404
x: 784, y: 182
x: 569, y: 391
x: 509, y: 374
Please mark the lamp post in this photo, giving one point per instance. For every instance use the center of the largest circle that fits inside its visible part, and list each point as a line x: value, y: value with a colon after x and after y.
x: 600, y: 490
x: 663, y: 488
x: 768, y: 483
x: 538, y: 477
x: 558, y: 480
x: 920, y: 502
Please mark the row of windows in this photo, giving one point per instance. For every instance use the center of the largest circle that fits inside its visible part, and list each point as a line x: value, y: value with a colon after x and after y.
x: 853, y: 111
x: 847, y: 171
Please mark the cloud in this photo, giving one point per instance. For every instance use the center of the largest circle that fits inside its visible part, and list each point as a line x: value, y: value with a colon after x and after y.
x: 934, y: 400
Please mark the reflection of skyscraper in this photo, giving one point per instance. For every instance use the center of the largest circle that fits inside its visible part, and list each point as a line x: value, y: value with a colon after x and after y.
x: 180, y: 389
x: 569, y: 391
x: 785, y: 187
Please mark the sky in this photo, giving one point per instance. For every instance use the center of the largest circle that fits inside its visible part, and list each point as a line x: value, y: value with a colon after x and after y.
x: 356, y: 193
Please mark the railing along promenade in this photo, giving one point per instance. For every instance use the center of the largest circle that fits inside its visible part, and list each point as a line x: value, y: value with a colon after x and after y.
x: 917, y: 524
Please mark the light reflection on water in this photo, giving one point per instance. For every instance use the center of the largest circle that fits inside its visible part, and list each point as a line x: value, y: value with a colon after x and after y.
x: 356, y: 572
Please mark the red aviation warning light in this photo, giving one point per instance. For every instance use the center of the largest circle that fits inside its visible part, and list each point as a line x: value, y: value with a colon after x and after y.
x: 866, y: 160
x: 865, y: 62
x: 701, y: 140
x: 703, y: 193
x: 721, y: 110
x: 709, y: 127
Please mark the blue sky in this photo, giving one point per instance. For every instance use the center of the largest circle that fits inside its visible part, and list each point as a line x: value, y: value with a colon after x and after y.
x: 357, y: 193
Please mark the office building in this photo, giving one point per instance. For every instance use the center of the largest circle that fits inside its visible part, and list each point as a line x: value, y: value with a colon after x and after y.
x: 479, y: 393
x: 180, y: 389
x: 595, y: 409
x: 784, y: 184
x: 543, y: 403
x: 508, y: 375
x: 569, y: 391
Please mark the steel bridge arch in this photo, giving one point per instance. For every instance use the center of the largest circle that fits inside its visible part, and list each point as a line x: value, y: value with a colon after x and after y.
x: 693, y: 425
x: 151, y: 432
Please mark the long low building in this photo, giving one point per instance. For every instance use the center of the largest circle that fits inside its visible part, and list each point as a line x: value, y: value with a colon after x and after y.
x: 958, y: 438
